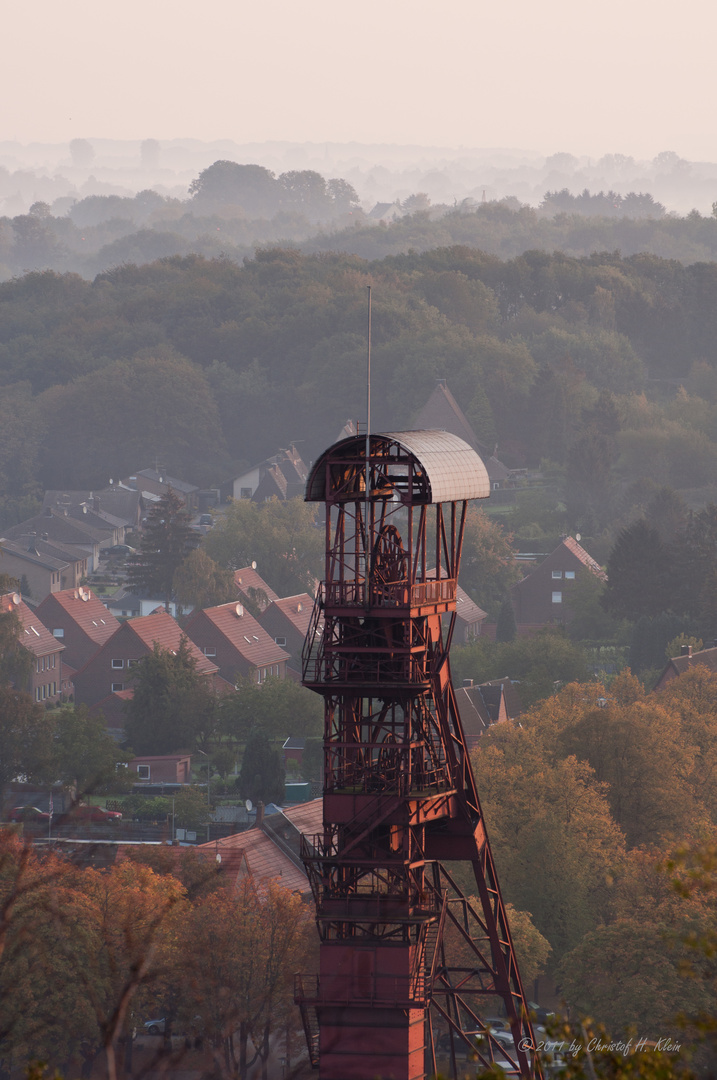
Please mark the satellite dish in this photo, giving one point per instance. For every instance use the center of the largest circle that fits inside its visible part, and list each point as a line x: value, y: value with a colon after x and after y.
x: 84, y: 509
x: 299, y: 607
x: 578, y: 537
x: 77, y: 595
x: 239, y: 610
x: 16, y: 598
x: 253, y: 565
x: 249, y: 806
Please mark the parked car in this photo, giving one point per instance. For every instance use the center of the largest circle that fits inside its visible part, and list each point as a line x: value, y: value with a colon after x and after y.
x: 29, y: 814
x: 117, y: 550
x: 206, y: 519
x: 154, y: 1027
x: 82, y: 812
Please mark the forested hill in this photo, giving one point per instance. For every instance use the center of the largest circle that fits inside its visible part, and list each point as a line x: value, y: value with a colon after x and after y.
x: 205, y: 365
x: 508, y: 229
x: 102, y: 232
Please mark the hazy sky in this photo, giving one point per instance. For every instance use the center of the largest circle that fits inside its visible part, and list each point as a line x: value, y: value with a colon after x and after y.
x: 627, y: 76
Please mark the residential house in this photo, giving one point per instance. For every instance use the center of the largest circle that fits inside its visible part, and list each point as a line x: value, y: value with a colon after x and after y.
x: 240, y: 647
x: 287, y: 622
x: 84, y: 538
x: 469, y: 618
x: 678, y: 665
x: 43, y: 573
x: 485, y: 704
x: 80, y: 621
x: 542, y: 598
x: 153, y: 485
x: 122, y: 503
x: 271, y: 851
x: 110, y: 669
x: 286, y: 480
x: 162, y: 769
x: 252, y: 588
x: 123, y: 604
x: 45, y: 682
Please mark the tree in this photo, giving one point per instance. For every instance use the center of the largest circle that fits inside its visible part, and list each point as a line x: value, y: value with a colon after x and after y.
x: 488, y: 566
x: 637, y: 574
x: 540, y: 664
x: 589, y: 620
x: 555, y: 843
x: 79, y: 945
x: 83, y: 753
x: 226, y: 183
x: 643, y: 756
x: 25, y: 734
x: 262, y: 770
x: 199, y: 582
x: 506, y: 629
x: 173, y: 707
x: 246, y: 945
x: 15, y: 659
x: 163, y: 548
x: 283, y: 535
x: 280, y: 707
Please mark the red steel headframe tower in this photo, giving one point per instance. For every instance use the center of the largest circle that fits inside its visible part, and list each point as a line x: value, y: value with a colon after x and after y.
x: 408, y: 959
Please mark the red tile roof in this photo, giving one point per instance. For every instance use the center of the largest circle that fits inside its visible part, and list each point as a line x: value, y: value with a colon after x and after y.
x: 253, y: 852
x: 34, y: 635
x: 248, y: 637
x: 86, y: 610
x: 587, y: 560
x: 161, y: 629
x: 307, y: 817
x: 297, y: 609
x: 248, y: 578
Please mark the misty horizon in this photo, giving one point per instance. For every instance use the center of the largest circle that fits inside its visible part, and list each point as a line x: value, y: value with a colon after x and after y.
x: 35, y: 171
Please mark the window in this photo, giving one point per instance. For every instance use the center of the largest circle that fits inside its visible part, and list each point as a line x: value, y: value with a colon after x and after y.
x: 37, y: 693
x: 557, y: 573
x: 210, y: 650
x: 570, y: 575
x: 131, y: 663
x: 59, y: 632
x: 143, y: 772
x: 117, y: 686
x: 245, y: 493
x: 280, y: 641
x: 557, y: 598
x: 118, y: 663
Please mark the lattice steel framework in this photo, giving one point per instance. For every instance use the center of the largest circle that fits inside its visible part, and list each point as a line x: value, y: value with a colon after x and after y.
x: 409, y: 960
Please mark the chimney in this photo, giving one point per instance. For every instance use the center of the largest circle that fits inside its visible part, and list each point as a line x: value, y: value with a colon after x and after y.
x: 259, y: 814
x: 467, y: 684
x: 686, y: 650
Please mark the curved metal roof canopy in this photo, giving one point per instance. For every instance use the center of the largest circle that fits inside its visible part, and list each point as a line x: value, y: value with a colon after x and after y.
x: 443, y: 468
